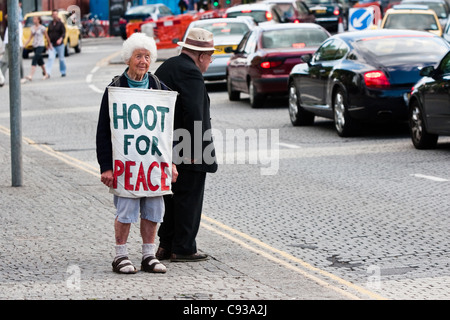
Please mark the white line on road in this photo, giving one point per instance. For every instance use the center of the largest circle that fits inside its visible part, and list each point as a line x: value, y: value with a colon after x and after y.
x: 418, y: 175
x: 288, y: 145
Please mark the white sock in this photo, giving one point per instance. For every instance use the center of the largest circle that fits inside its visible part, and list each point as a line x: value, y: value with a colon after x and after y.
x: 121, y: 251
x: 148, y: 249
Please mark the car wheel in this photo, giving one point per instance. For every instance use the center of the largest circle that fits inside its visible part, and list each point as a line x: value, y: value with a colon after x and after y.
x: 66, y: 49
x: 298, y: 115
x: 232, y: 95
x: 421, y: 139
x: 345, y: 126
x: 256, y: 99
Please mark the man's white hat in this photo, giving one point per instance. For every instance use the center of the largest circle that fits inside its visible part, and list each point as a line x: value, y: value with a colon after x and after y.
x: 198, y: 39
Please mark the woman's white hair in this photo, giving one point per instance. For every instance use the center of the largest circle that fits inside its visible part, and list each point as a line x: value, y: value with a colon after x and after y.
x: 139, y: 41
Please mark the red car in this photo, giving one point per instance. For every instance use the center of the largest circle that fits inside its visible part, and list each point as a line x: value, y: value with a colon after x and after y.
x: 294, y: 10
x: 261, y: 64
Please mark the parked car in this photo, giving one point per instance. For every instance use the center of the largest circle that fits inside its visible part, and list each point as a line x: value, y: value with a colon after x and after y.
x: 260, y: 12
x: 139, y: 14
x: 446, y: 31
x: 261, y: 64
x: 440, y: 7
x: 429, y: 107
x: 293, y: 10
x: 73, y: 30
x: 228, y: 32
x: 329, y: 13
x: 361, y: 76
x: 412, y: 18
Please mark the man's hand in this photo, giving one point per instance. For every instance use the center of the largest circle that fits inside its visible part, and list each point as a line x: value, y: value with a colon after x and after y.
x: 174, y: 173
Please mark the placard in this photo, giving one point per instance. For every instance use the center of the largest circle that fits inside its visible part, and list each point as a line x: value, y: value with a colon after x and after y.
x: 141, y: 134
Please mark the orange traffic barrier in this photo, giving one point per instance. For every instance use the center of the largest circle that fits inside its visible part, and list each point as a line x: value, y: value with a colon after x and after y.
x: 167, y: 31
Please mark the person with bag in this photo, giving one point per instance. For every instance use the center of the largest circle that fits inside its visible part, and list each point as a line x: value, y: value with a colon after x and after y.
x: 38, y: 35
x: 138, y: 52
x: 183, y: 73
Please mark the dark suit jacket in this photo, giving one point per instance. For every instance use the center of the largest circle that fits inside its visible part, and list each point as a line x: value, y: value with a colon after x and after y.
x: 191, y: 113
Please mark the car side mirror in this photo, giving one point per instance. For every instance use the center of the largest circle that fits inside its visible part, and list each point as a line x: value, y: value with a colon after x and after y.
x: 306, y: 58
x: 427, y: 71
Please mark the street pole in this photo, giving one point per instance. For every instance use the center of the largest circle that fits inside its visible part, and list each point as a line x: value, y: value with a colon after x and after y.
x: 14, y: 93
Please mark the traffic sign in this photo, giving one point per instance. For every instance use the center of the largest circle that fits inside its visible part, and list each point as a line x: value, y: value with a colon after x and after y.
x: 360, y: 18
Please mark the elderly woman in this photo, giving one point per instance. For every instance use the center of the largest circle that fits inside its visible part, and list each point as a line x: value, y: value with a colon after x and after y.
x: 138, y: 52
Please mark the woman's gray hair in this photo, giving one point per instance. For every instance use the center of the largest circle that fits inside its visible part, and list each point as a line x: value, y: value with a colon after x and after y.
x: 139, y: 41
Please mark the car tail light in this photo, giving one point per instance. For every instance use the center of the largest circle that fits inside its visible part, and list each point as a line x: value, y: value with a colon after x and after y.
x: 268, y: 16
x: 296, y: 21
x: 122, y: 21
x: 376, y: 79
x: 336, y: 11
x: 271, y: 64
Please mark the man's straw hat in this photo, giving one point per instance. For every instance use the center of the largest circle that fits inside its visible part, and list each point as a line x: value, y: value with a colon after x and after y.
x: 199, y: 40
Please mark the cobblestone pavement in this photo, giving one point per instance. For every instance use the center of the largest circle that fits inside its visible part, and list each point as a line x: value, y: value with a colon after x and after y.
x: 57, y: 236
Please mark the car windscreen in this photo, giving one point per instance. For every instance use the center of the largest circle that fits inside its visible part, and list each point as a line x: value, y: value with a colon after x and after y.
x: 226, y: 28
x: 411, y: 21
x: 386, y: 49
x: 257, y: 15
x: 45, y: 21
x: 293, y: 38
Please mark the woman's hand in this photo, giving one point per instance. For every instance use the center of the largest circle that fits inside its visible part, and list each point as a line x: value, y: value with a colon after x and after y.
x: 107, y: 178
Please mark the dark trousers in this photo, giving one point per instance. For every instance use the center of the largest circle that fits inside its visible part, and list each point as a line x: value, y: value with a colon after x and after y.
x: 183, y: 211
x: 37, y: 58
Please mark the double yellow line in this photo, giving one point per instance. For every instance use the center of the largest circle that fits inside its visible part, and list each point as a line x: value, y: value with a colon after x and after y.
x: 278, y: 256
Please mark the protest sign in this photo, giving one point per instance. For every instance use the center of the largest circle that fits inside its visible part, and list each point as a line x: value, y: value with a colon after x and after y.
x: 141, y: 133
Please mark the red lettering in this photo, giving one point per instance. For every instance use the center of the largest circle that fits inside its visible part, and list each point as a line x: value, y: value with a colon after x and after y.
x: 128, y: 174
x: 149, y: 176
x: 141, y: 179
x: 118, y: 170
x: 164, y: 176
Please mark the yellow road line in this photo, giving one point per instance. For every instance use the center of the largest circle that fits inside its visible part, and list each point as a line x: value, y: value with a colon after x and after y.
x: 94, y: 171
x: 290, y: 258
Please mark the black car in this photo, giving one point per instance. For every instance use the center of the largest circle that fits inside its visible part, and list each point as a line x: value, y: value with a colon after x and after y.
x: 361, y: 76
x: 429, y: 105
x: 329, y: 13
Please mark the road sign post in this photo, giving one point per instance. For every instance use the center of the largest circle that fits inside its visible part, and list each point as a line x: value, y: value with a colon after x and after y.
x: 14, y: 93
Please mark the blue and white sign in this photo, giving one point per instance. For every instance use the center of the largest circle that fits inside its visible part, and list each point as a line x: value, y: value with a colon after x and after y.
x: 360, y: 19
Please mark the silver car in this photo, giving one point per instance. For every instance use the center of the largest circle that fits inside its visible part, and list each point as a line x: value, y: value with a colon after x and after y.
x: 227, y: 32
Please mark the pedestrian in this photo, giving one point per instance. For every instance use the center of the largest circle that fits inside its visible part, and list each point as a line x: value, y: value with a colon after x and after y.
x: 38, y: 35
x: 56, y: 32
x: 183, y: 73
x: 138, y: 52
x: 4, y: 62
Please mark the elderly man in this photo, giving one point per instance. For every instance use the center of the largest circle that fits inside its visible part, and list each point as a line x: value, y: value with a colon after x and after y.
x: 138, y: 52
x: 183, y: 74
